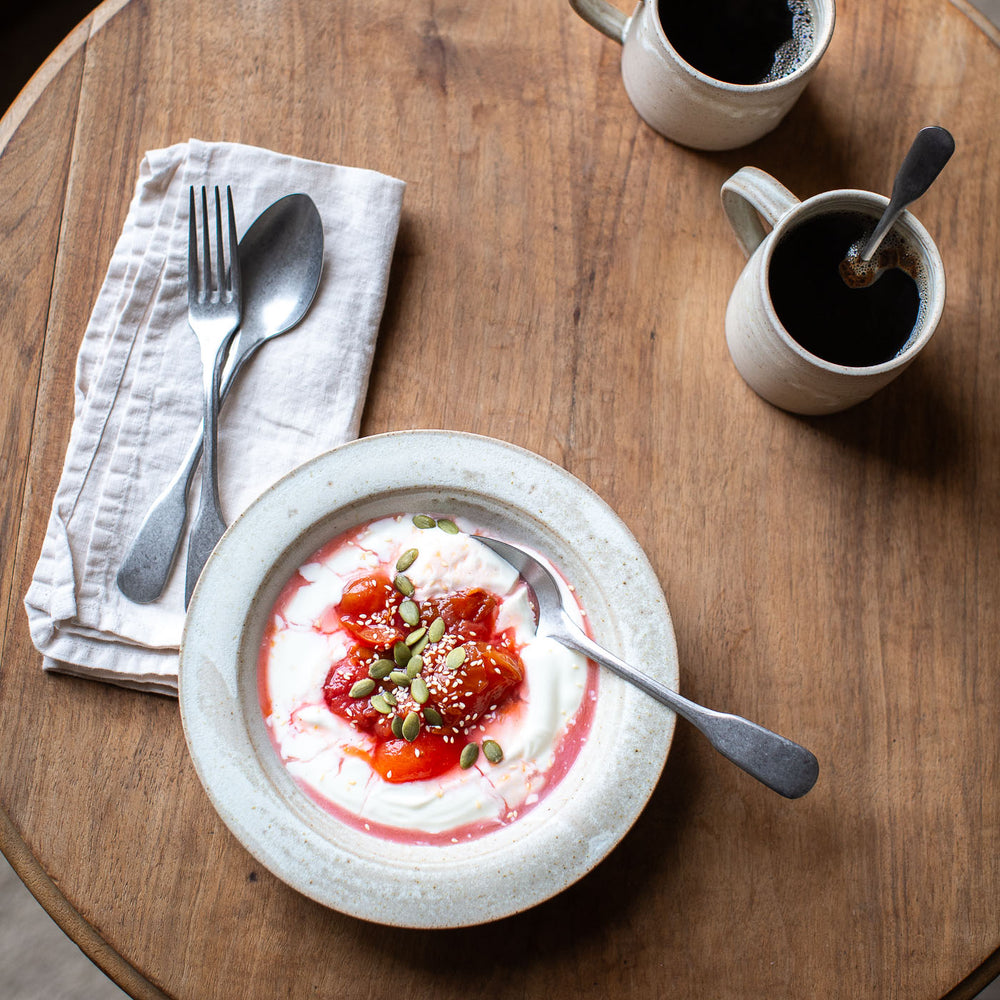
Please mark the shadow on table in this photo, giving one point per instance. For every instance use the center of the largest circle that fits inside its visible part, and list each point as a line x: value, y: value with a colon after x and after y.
x: 917, y: 424
x: 600, y: 911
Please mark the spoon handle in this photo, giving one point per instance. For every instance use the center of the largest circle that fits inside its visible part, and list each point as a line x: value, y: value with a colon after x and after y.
x: 144, y: 570
x: 784, y: 766
x: 925, y: 159
x: 146, y: 567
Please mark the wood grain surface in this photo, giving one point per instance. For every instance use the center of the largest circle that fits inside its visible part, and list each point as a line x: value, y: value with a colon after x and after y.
x: 560, y: 282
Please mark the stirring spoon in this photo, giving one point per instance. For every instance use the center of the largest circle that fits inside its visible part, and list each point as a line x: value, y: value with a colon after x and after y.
x: 784, y: 766
x: 281, y: 258
x: 925, y: 159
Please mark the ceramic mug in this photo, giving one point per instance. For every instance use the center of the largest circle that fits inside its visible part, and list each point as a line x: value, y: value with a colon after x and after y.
x: 771, y: 361
x: 686, y: 105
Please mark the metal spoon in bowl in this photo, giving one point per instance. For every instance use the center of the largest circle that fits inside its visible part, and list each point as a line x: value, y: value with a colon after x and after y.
x: 930, y: 151
x: 779, y: 763
x: 281, y: 259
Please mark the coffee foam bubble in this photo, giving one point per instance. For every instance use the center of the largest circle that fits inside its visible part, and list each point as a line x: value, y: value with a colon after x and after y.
x: 894, y: 251
x: 794, y: 53
x: 897, y: 251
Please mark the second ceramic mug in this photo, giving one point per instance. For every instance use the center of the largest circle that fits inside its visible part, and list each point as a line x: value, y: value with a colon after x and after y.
x: 686, y: 105
x: 774, y: 364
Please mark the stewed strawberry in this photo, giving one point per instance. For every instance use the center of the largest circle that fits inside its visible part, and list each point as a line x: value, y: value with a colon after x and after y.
x: 369, y: 610
x: 468, y: 614
x: 465, y: 691
x: 398, y: 760
x: 343, y: 677
x: 456, y: 669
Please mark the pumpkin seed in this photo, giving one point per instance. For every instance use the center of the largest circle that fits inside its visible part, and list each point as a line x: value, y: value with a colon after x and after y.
x: 447, y: 524
x: 380, y: 704
x: 410, y: 614
x: 415, y: 636
x: 406, y: 560
x: 403, y: 584
x: 381, y: 669
x: 432, y: 716
x: 401, y: 654
x: 470, y: 753
x: 418, y: 688
x: 423, y: 521
x: 493, y: 751
x: 411, y: 726
x: 362, y: 688
x: 400, y: 677
x: 414, y: 667
x: 419, y: 646
x: 436, y: 630
x: 455, y: 658
x: 397, y: 727
x: 390, y: 698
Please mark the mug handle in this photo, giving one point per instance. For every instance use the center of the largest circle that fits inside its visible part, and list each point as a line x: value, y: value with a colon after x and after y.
x: 601, y: 15
x: 750, y: 196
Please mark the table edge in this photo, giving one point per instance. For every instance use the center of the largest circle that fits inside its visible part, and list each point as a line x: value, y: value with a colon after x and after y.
x: 979, y: 19
x: 83, y: 934
x: 12, y: 845
x: 49, y: 69
x: 977, y: 980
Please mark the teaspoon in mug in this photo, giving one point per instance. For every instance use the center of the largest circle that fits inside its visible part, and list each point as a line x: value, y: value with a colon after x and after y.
x: 925, y: 159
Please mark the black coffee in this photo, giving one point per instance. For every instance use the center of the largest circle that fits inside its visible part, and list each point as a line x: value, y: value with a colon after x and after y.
x: 848, y: 326
x: 740, y: 41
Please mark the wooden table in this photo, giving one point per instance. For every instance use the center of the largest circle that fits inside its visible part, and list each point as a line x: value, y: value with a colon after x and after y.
x: 560, y: 281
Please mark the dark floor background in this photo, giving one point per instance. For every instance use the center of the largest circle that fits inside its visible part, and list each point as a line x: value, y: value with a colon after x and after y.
x: 30, y: 32
x: 36, y: 959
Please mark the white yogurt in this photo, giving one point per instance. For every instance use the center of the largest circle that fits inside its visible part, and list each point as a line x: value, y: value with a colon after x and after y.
x: 325, y: 752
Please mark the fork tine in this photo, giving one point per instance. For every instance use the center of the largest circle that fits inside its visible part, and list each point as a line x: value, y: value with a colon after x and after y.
x: 220, y: 255
x: 207, y: 262
x: 234, y: 255
x: 192, y: 249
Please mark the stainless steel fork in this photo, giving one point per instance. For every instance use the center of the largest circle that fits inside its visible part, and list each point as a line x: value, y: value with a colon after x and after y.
x: 214, y: 310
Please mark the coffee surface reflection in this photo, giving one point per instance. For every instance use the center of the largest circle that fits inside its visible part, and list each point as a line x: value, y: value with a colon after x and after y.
x: 740, y: 41
x: 857, y: 327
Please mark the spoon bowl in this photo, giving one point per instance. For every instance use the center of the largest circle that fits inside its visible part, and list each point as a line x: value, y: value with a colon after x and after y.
x: 925, y: 159
x: 281, y: 260
x: 784, y: 766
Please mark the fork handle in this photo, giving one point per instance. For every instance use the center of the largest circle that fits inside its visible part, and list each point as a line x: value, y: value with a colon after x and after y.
x: 207, y: 529
x: 784, y: 766
x: 144, y: 570
x: 209, y: 524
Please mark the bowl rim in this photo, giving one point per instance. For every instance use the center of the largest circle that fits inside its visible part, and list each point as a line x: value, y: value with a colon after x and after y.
x: 530, y: 500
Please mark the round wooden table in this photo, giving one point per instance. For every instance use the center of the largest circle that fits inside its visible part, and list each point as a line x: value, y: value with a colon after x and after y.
x: 560, y: 279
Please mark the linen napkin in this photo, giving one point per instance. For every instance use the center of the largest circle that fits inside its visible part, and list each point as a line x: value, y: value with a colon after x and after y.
x: 138, y: 396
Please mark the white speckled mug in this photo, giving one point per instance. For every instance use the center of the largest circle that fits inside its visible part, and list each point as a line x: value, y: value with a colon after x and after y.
x: 771, y: 361
x: 686, y: 105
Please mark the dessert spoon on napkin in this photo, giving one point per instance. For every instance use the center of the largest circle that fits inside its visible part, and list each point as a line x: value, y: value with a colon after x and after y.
x: 782, y: 765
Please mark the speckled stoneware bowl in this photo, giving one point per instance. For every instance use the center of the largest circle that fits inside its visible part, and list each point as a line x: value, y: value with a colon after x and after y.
x: 513, y: 494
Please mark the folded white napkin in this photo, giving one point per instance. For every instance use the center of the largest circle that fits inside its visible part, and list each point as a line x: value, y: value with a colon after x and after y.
x: 139, y: 403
